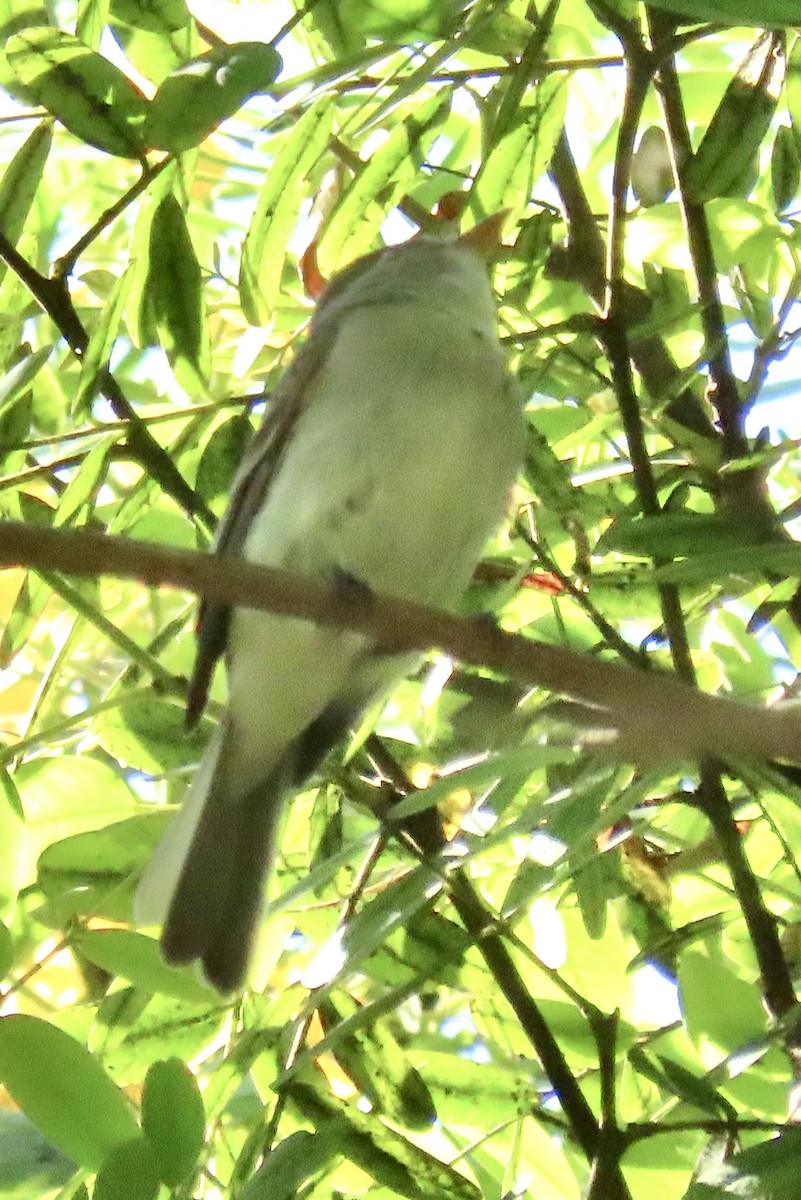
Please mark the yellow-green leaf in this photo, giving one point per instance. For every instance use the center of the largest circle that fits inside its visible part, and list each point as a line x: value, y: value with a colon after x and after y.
x: 83, y: 90
x: 195, y: 98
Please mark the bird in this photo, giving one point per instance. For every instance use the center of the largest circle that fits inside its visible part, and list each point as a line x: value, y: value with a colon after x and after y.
x: 385, y: 461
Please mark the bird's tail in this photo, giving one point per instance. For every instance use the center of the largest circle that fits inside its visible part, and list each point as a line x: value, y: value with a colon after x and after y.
x: 206, y: 879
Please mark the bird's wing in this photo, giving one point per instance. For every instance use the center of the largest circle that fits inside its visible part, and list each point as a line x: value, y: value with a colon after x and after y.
x: 259, y: 465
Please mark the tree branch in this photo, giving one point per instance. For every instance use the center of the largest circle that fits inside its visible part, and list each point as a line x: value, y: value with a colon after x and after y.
x: 53, y: 298
x: 658, y: 718
x: 777, y: 986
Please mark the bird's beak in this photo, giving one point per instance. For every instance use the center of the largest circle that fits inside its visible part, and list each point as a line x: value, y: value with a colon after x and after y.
x: 485, y: 238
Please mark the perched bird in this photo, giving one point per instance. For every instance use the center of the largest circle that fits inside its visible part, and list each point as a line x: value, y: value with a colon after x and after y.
x: 385, y: 462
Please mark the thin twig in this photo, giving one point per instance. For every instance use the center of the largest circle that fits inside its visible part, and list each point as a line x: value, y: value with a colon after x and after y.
x: 638, y: 81
x: 65, y: 264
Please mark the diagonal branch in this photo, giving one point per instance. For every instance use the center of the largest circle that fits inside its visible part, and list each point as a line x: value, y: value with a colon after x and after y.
x: 658, y: 718
x: 53, y: 298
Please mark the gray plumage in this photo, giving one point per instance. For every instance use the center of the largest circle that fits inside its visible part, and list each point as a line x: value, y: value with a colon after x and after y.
x: 387, y: 457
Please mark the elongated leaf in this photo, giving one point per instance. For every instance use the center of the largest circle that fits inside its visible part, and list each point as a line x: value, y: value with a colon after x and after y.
x: 740, y: 122
x: 12, y: 841
x: 389, y: 168
x: 523, y: 154
x: 20, y: 182
x: 21, y: 374
x: 30, y: 1165
x: 378, y: 920
x: 766, y: 1171
x: 83, y: 90
x: 195, y: 98
x: 373, y: 1058
x: 264, y: 251
x: 135, y: 1028
x: 384, y: 1154
x: 768, y: 14
x: 150, y: 42
x: 63, y: 1089
x: 346, y: 26
x: 785, y: 167
x: 156, y: 16
x: 139, y: 315
x: 128, y: 1173
x: 173, y: 1119
x: 674, y: 535
x: 137, y: 959
x: 101, y: 343
x: 292, y: 1164
x: 148, y: 735
x: 176, y: 296
x: 222, y: 456
x: 92, y: 873
x: 91, y: 20
x: 783, y: 559
x: 79, y: 495
x: 6, y: 959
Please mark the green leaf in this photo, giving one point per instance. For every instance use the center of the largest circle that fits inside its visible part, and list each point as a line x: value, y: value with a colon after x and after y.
x: 17, y: 381
x: 63, y: 1089
x: 140, y: 315
x: 79, y: 496
x: 128, y: 1173
x: 674, y: 535
x: 137, y: 959
x: 156, y: 16
x: 12, y: 843
x: 767, y: 1171
x: 372, y: 1057
x: 30, y: 1165
x: 90, y: 874
x: 157, y: 37
x: 98, y: 795
x: 134, y: 1029
x: 83, y: 90
x: 521, y: 157
x: 785, y: 167
x: 783, y: 559
x: 347, y: 26
x: 175, y: 293
x: 269, y: 232
x: 148, y: 735
x: 651, y: 168
x: 195, y: 98
x: 390, y: 167
x: 6, y: 954
x: 221, y: 457
x: 770, y: 14
x: 91, y: 20
x: 384, y: 1154
x: 703, y: 979
x: 374, y: 923
x: 292, y: 1165
x: 20, y: 183
x: 740, y: 123
x: 173, y: 1119
x: 101, y: 342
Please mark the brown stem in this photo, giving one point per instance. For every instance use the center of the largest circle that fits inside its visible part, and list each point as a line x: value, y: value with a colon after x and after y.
x: 724, y: 393
x: 658, y: 717
x: 53, y: 298
x: 777, y: 986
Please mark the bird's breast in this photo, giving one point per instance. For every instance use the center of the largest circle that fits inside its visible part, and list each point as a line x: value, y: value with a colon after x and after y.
x: 401, y: 464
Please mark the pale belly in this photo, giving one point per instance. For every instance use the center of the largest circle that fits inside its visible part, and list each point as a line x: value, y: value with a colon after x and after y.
x: 399, y: 476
